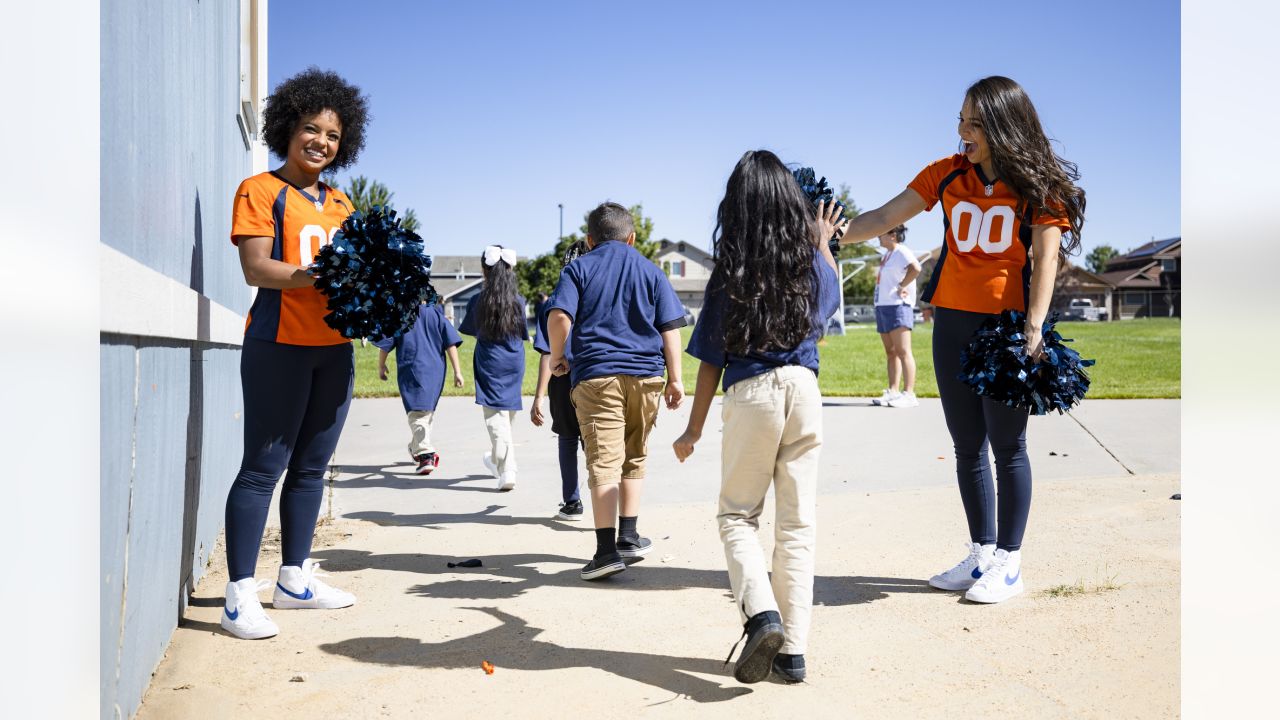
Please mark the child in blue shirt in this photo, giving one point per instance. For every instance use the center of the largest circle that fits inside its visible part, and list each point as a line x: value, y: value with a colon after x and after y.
x: 774, y: 286
x: 625, y: 320
x: 496, y: 318
x: 420, y: 354
x: 564, y: 420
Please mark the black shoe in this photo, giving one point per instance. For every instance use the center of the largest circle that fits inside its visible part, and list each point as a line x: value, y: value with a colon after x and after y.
x: 764, y: 637
x: 789, y: 667
x: 634, y: 547
x: 570, y: 510
x: 602, y: 566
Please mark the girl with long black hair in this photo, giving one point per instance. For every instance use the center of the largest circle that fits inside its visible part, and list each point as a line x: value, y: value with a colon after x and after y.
x: 772, y: 290
x: 496, y: 318
x: 1011, y: 207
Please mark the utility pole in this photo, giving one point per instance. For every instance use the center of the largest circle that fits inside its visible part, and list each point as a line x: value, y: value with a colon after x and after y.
x: 561, y: 206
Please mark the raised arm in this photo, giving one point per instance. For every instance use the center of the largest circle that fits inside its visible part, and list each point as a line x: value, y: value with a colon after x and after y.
x: 877, y: 222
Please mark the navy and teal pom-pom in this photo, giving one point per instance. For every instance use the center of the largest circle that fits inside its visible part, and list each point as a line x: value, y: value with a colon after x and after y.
x: 375, y: 275
x: 817, y: 190
x: 996, y: 366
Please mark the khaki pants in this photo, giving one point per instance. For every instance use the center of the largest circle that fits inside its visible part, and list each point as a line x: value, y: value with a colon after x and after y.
x: 615, y: 414
x: 772, y: 435
x: 502, y: 450
x: 420, y: 426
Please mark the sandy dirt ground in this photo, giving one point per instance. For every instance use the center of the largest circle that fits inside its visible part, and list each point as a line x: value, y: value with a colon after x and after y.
x: 1096, y: 635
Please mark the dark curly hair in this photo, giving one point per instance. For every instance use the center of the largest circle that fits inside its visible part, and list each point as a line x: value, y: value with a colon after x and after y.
x: 764, y: 243
x: 1023, y: 158
x: 306, y: 94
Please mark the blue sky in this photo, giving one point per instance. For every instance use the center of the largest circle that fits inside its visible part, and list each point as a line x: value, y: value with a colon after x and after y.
x: 486, y: 115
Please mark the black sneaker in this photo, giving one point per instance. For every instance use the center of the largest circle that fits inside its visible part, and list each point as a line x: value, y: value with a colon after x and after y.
x: 602, y: 566
x: 764, y: 638
x: 789, y: 667
x: 634, y: 547
x: 570, y: 510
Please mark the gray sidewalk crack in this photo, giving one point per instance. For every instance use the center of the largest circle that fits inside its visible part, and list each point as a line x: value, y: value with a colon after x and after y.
x: 1101, y: 444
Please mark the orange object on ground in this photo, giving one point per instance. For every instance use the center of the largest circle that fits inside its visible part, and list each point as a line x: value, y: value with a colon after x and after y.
x: 487, y: 666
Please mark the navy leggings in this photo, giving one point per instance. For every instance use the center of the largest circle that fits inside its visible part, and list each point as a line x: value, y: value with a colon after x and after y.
x: 295, y: 402
x: 976, y: 423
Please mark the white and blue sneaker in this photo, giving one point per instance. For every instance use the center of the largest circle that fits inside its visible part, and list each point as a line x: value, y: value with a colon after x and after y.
x: 1001, y: 580
x: 299, y: 588
x: 967, y: 572
x: 242, y: 613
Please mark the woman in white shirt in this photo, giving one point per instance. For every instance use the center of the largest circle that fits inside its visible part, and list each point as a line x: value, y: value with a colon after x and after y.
x: 895, y: 316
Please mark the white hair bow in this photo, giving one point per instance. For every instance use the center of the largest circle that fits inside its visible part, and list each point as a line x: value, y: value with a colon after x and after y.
x: 493, y: 253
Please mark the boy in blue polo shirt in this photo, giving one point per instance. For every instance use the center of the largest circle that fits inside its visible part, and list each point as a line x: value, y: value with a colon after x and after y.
x: 420, y: 354
x: 626, y: 322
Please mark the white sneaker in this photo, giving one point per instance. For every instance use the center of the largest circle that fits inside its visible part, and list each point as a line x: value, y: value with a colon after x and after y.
x: 1001, y: 581
x: 299, y: 588
x: 242, y: 613
x: 490, y: 466
x: 885, y: 398
x: 904, y: 400
x: 507, y: 480
x: 967, y: 572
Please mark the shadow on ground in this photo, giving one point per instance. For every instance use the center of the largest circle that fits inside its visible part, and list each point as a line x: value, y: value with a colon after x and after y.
x: 487, y: 516
x: 402, y: 476
x: 511, y: 575
x: 514, y: 645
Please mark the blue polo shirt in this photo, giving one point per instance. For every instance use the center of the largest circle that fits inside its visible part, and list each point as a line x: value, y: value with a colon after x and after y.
x: 707, y: 342
x: 420, y: 362
x: 541, y: 339
x: 497, y: 366
x: 617, y: 299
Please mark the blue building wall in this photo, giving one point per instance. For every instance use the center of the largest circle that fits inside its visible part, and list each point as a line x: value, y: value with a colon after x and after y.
x: 172, y: 155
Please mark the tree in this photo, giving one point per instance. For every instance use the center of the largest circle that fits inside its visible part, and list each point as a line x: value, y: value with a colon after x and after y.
x: 366, y: 194
x: 1098, y: 257
x: 861, y: 287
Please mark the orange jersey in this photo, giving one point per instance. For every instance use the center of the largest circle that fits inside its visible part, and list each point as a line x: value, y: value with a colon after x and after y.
x: 983, y: 266
x: 266, y: 205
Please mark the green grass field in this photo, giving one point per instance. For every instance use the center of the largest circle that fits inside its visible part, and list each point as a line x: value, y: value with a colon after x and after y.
x: 1136, y: 359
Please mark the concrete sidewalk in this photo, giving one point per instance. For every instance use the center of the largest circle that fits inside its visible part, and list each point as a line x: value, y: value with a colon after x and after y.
x: 867, y: 449
x: 1095, y: 635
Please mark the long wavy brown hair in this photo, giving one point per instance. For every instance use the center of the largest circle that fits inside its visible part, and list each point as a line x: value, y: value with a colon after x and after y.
x: 764, y: 245
x: 1022, y: 156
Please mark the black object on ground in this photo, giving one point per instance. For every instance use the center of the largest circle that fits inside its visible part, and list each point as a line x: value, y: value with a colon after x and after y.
x: 467, y: 563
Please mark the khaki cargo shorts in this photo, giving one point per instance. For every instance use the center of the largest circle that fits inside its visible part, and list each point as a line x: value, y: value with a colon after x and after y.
x: 615, y: 414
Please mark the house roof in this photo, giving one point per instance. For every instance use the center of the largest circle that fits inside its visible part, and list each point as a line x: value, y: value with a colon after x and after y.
x: 1081, y: 276
x: 1153, y: 248
x: 449, y: 287
x: 680, y: 246
x: 456, y: 266
x: 452, y: 274
x: 1135, y: 277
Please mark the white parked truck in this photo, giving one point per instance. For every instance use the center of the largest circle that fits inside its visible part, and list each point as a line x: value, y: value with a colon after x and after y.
x: 1084, y: 309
